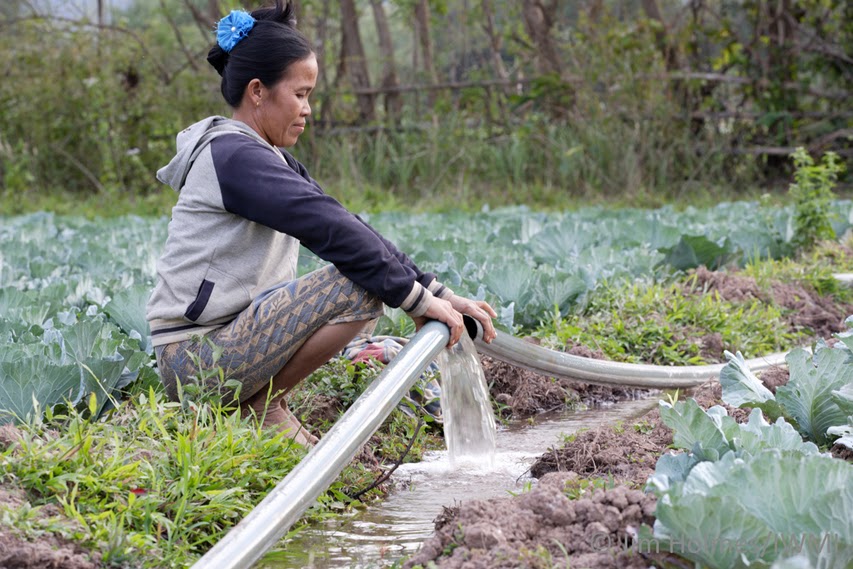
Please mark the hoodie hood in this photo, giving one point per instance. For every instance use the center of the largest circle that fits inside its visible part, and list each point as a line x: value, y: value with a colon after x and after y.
x: 192, y: 140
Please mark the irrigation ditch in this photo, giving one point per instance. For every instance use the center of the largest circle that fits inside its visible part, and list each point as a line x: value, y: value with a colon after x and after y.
x: 580, y: 500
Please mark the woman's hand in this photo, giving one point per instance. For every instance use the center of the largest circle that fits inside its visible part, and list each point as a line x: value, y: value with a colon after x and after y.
x: 480, y: 311
x: 443, y: 311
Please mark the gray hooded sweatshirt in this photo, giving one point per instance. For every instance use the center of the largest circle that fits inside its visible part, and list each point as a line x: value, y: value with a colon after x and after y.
x: 243, y: 209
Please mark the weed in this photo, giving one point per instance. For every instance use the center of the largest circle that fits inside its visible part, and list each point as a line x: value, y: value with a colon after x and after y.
x: 570, y: 438
x: 812, y: 194
x: 158, y: 480
x: 579, y: 487
x: 526, y: 487
x: 661, y: 324
x: 671, y: 396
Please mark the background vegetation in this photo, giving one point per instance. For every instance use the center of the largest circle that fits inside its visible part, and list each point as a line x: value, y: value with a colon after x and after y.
x: 437, y: 103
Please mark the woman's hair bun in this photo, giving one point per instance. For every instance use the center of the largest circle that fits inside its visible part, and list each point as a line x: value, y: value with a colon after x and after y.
x: 265, y: 51
x: 217, y: 58
x: 282, y: 13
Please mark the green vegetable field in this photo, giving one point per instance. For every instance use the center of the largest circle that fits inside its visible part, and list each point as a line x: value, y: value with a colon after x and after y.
x: 76, y: 355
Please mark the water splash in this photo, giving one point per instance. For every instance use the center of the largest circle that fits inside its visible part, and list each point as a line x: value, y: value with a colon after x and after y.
x: 469, y: 424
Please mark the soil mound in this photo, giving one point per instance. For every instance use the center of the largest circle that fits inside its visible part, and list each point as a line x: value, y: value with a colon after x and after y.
x: 626, y: 453
x: 805, y: 308
x: 51, y: 551
x: 541, y: 528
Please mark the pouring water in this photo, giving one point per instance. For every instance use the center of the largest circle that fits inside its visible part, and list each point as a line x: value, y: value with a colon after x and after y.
x: 469, y: 423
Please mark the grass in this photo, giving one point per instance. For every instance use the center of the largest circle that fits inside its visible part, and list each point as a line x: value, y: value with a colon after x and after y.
x: 660, y: 324
x: 159, y: 481
x: 653, y: 322
x: 469, y: 196
x: 815, y: 268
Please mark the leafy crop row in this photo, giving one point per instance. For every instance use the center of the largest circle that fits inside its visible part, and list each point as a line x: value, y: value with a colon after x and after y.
x: 72, y: 291
x: 763, y: 494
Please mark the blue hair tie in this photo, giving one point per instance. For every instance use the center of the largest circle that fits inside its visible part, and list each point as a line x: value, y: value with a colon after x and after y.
x: 232, y: 28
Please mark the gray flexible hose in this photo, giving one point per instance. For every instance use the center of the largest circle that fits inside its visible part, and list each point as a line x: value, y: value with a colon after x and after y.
x: 845, y: 278
x: 559, y: 364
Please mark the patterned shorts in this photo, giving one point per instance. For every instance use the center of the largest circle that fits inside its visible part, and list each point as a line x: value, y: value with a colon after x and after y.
x: 261, y: 340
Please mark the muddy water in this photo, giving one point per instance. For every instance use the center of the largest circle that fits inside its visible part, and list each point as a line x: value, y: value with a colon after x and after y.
x: 383, y: 533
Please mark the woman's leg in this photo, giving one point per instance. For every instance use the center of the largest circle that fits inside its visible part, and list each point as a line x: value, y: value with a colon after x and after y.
x: 284, y: 335
x: 316, y: 351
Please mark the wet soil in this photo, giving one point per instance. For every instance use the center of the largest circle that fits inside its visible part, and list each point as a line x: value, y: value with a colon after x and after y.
x: 544, y: 528
x: 540, y: 528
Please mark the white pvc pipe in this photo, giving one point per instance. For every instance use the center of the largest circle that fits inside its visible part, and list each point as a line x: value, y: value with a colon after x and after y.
x: 269, y: 520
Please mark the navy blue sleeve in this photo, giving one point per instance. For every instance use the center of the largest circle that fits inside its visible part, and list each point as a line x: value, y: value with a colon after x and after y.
x: 424, y: 278
x: 258, y: 185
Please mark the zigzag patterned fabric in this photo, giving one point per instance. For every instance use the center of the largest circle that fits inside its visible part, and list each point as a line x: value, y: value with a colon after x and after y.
x: 261, y: 339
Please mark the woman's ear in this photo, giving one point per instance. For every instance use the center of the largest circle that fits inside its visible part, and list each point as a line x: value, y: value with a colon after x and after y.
x: 255, y: 91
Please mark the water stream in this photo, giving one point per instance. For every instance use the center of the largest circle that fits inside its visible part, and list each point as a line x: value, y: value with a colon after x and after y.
x: 466, y: 409
x: 383, y: 533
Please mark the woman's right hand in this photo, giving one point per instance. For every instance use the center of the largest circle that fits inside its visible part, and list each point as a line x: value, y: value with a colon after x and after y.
x: 441, y: 310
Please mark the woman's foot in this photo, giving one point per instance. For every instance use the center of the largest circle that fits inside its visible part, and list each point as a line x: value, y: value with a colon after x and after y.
x: 277, y: 415
x: 296, y: 427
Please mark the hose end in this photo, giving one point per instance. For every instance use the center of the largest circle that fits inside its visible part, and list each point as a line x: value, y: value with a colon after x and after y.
x: 474, y: 328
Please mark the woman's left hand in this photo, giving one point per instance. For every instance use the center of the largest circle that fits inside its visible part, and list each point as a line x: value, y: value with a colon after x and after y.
x: 480, y: 311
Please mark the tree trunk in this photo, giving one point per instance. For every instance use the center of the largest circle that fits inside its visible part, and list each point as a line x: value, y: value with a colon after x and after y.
x: 669, y: 52
x: 538, y: 21
x: 494, y: 40
x: 353, y: 60
x: 422, y: 27
x: 393, y: 101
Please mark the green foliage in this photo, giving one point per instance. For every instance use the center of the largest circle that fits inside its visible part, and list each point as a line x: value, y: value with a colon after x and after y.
x: 67, y: 363
x: 658, y: 323
x: 753, y: 510
x: 807, y: 400
x: 746, y: 493
x: 606, y: 126
x: 694, y: 251
x: 84, y: 112
x: 812, y: 195
x: 157, y: 484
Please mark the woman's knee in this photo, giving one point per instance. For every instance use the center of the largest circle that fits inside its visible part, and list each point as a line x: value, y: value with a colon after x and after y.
x: 360, y: 304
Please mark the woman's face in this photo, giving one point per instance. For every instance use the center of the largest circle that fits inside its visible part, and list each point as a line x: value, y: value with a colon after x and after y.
x: 283, y: 108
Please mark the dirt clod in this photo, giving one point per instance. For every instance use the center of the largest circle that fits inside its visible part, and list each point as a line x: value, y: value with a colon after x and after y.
x: 50, y: 551
x: 540, y: 525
